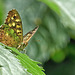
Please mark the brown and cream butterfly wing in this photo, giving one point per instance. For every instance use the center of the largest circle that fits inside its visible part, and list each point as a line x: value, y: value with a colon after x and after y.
x: 14, y: 21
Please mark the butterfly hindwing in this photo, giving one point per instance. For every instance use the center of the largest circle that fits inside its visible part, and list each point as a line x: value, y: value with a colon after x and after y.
x: 26, y: 38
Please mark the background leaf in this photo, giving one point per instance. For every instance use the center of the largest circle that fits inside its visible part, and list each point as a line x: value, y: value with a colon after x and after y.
x: 65, y: 9
x: 64, y: 68
x: 1, y: 11
x: 55, y: 37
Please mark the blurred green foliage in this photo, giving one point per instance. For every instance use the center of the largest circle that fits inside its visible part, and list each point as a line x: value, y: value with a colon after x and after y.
x: 1, y: 11
x: 56, y: 20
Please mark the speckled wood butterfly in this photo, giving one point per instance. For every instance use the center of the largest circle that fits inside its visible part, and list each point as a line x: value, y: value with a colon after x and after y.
x: 11, y: 33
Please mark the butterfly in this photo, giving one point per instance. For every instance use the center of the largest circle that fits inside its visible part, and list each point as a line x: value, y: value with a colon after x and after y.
x: 11, y: 32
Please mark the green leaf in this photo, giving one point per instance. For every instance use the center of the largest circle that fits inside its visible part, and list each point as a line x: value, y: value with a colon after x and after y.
x: 52, y: 4
x: 1, y: 11
x: 27, y: 63
x: 9, y: 65
x: 65, y: 9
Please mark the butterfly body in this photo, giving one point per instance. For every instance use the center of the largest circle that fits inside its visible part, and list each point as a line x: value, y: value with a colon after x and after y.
x: 11, y: 32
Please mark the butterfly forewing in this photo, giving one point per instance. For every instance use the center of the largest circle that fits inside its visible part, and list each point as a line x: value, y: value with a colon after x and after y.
x: 14, y: 21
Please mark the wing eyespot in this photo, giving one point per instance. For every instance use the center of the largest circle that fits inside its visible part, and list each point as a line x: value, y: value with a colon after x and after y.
x: 14, y: 17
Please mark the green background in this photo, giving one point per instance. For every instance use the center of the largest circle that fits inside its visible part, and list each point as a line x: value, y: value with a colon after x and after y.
x: 54, y: 42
